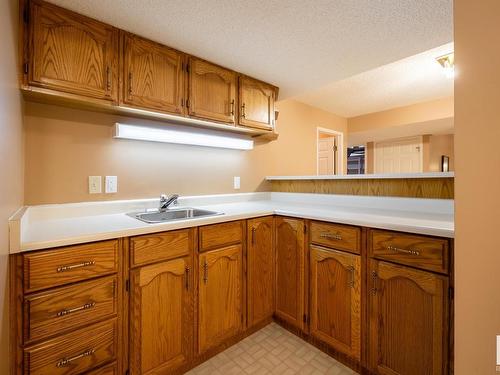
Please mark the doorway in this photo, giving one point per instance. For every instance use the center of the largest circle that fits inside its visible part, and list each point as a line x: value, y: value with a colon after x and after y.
x: 330, y: 144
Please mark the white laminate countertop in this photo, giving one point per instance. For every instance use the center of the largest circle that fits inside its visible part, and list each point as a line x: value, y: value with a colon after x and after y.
x: 374, y: 176
x: 47, y: 226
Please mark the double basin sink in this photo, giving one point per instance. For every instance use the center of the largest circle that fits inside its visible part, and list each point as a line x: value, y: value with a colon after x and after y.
x: 173, y: 214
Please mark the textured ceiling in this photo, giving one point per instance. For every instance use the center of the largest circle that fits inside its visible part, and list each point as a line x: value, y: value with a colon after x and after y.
x: 298, y: 45
x: 414, y: 79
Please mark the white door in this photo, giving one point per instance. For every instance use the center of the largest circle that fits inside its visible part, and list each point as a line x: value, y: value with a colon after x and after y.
x: 399, y: 156
x: 326, y: 155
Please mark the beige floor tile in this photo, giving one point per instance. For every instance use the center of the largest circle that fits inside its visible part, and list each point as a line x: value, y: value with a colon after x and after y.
x: 272, y: 350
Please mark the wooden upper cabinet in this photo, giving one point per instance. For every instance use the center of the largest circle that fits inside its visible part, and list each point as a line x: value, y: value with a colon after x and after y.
x: 153, y: 75
x: 260, y: 269
x: 290, y: 254
x: 212, y: 91
x: 71, y: 53
x: 220, y: 296
x: 335, y: 299
x: 408, y: 319
x: 256, y: 100
x: 161, y: 317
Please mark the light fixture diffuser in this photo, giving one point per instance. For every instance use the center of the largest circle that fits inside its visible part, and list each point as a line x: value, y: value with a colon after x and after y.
x: 447, y: 62
x: 195, y: 137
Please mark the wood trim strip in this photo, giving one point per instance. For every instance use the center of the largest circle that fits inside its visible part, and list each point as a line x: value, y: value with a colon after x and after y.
x: 436, y: 188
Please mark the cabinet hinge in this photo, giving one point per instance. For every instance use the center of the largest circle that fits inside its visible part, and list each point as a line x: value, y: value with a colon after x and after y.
x: 305, y: 229
x: 25, y: 68
x: 187, y: 68
x: 127, y: 285
x: 304, y: 318
x: 451, y: 293
x: 182, y: 102
x: 187, y: 103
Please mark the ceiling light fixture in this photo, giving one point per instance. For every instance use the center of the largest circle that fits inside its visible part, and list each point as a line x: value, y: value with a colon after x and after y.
x: 447, y: 62
x: 191, y: 136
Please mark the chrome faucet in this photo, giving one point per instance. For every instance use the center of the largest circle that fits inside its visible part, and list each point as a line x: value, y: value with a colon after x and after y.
x: 166, y: 202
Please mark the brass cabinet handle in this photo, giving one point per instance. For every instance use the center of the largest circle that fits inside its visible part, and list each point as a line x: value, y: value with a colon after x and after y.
x: 187, y: 278
x: 331, y: 236
x: 243, y: 110
x: 65, y: 361
x: 374, y: 282
x: 205, y: 272
x: 73, y: 266
x: 232, y: 107
x: 108, y: 78
x: 351, y: 270
x: 404, y: 251
x: 75, y: 309
x: 253, y: 236
x: 130, y: 83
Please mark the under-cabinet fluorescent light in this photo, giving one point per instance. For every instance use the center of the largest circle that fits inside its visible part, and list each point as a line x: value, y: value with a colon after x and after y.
x: 196, y: 137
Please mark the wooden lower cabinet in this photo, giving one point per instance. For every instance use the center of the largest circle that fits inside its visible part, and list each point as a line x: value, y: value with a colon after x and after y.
x: 290, y: 270
x: 335, y: 299
x: 220, y: 302
x: 408, y: 319
x: 161, y: 317
x: 260, y: 270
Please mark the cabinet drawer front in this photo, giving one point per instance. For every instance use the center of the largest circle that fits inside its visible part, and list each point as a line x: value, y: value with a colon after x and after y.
x: 160, y: 246
x: 45, y: 269
x: 111, y: 369
x: 341, y: 237
x: 412, y: 250
x: 219, y: 235
x: 50, y: 313
x: 75, y: 352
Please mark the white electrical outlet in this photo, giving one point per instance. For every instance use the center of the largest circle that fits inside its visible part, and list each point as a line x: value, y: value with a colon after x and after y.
x: 95, y: 184
x: 237, y: 182
x: 111, y: 184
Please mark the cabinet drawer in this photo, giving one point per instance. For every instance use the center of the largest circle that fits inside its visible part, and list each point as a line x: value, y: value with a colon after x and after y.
x: 55, y: 311
x: 341, y: 237
x: 160, y: 246
x: 412, y: 250
x: 75, y: 352
x: 219, y: 235
x: 45, y: 269
x: 111, y: 369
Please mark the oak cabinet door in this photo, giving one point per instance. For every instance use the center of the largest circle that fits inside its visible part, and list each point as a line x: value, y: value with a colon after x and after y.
x: 290, y: 260
x: 154, y: 77
x: 335, y: 304
x: 220, y: 296
x: 256, y: 101
x: 72, y: 53
x: 408, y: 320
x: 161, y: 317
x: 212, y: 91
x: 260, y: 266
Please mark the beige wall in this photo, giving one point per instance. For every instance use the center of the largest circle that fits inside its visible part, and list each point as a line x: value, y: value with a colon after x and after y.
x: 477, y: 185
x: 415, y: 113
x: 11, y: 154
x: 64, y: 146
x: 440, y: 145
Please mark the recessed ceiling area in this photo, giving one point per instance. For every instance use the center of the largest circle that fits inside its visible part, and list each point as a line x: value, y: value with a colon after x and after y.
x: 300, y: 46
x: 415, y: 79
x: 434, y: 127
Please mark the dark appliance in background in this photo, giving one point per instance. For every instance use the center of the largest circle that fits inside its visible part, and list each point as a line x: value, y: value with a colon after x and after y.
x: 356, y: 160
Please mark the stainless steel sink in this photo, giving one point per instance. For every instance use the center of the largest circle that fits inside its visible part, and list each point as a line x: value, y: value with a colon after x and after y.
x: 172, y: 214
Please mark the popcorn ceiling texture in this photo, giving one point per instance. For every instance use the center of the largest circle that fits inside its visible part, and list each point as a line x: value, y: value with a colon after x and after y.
x: 297, y: 45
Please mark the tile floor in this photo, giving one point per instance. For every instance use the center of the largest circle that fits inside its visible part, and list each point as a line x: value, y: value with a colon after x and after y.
x: 272, y: 350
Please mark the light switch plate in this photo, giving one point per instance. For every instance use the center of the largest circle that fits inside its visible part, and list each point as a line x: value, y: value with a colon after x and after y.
x: 237, y: 182
x: 111, y: 184
x: 95, y: 184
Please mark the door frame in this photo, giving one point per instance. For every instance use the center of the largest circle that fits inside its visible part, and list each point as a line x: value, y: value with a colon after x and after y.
x: 421, y: 142
x: 339, y: 160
